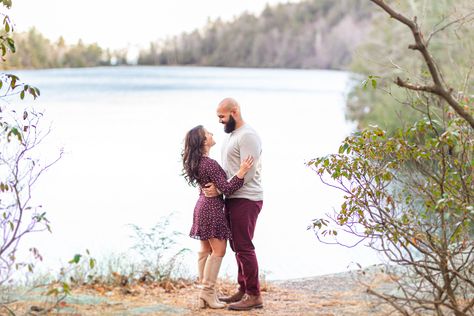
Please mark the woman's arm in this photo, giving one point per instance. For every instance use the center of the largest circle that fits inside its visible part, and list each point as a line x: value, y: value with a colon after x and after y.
x: 219, y: 177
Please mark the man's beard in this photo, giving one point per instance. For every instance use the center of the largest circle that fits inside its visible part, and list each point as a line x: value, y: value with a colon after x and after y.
x: 229, y: 127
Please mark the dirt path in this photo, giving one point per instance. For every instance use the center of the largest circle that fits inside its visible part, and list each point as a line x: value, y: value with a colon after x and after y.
x: 337, y: 294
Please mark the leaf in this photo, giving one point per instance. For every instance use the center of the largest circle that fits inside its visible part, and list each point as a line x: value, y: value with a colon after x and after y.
x: 343, y: 148
x: 13, y: 79
x: 22, y: 94
x: 7, y: 27
x: 364, y: 84
x: 16, y: 132
x: 76, y: 259
x: 11, y: 44
x: 66, y: 288
x: 7, y: 3
x: 457, y: 232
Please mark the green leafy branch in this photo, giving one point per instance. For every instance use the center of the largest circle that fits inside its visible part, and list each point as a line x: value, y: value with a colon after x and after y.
x: 372, y: 80
x: 80, y: 267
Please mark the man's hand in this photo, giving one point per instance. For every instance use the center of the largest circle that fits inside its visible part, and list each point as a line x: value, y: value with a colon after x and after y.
x: 210, y: 190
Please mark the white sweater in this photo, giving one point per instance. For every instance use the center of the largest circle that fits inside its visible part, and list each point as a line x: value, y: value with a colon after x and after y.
x: 241, y: 143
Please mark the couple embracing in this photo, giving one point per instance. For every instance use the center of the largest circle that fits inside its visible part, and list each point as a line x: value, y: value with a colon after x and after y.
x: 230, y: 199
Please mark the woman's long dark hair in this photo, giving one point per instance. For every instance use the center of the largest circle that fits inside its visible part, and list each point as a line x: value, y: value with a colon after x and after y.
x: 192, y: 153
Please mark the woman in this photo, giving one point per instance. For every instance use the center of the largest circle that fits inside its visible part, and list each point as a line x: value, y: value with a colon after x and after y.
x: 209, y: 222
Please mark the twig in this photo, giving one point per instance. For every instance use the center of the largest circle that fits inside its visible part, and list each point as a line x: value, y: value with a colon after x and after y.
x: 10, y: 311
x: 446, y: 26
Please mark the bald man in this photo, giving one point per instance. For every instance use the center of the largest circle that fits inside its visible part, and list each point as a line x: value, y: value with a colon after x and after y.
x: 243, y: 206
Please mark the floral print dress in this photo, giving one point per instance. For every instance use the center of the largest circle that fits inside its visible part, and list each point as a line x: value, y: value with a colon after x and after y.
x: 209, y: 220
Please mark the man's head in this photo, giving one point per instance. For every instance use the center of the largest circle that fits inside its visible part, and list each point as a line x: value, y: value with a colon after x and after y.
x: 228, y: 112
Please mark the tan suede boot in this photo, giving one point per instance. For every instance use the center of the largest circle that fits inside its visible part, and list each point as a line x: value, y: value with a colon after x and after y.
x: 202, y: 257
x: 208, y: 295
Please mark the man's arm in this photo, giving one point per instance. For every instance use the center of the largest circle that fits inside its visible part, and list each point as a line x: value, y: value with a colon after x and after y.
x: 250, y: 144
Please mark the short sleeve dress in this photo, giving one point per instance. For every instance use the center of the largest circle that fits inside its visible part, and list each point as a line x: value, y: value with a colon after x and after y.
x: 209, y: 220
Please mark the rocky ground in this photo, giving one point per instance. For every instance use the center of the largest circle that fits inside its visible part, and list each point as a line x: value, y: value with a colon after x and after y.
x: 336, y: 294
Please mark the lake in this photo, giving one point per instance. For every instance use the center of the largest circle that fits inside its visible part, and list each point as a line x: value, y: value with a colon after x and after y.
x: 122, y: 131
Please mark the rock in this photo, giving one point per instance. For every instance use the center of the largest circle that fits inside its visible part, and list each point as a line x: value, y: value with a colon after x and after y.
x: 35, y: 308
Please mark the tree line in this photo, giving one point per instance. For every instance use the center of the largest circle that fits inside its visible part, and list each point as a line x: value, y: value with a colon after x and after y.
x: 309, y: 34
x: 34, y: 50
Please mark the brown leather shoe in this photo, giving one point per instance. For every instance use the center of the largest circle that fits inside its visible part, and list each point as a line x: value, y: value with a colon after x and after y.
x: 248, y: 302
x: 233, y: 298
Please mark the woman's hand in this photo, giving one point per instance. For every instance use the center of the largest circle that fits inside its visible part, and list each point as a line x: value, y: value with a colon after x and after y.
x: 245, y: 166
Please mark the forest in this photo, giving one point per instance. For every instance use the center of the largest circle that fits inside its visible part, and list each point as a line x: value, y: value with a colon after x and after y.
x: 309, y: 34
x: 317, y: 34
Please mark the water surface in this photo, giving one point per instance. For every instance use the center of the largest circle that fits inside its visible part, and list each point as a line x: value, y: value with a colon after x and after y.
x: 122, y: 132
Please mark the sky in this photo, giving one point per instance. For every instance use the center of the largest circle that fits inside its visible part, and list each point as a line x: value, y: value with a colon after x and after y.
x: 119, y: 23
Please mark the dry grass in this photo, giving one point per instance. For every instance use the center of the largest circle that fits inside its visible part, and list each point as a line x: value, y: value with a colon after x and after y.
x: 181, y: 298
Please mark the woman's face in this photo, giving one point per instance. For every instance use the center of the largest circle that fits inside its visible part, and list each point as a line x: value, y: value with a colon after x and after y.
x: 209, y: 140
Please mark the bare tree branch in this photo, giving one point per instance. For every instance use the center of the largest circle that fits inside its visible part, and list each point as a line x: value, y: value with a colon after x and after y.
x: 421, y: 45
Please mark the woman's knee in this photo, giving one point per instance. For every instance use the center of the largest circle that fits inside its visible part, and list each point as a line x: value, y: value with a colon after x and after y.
x: 218, y: 247
x: 219, y: 253
x: 205, y: 246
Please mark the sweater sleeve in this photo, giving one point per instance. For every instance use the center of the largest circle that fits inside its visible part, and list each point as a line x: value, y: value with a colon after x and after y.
x: 250, y: 144
x: 219, y: 178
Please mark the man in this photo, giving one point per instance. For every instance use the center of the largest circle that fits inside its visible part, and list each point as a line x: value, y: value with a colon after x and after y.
x: 243, y: 206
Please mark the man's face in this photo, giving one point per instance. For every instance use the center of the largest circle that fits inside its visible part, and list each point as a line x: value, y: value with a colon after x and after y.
x: 226, y: 118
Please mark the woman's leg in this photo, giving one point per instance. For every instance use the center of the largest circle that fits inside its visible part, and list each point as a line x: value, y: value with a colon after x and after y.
x: 211, y: 271
x: 218, y: 246
x: 205, y: 246
x: 203, y: 254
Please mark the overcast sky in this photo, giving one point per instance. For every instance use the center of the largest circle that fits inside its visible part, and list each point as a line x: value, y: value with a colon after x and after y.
x: 121, y: 23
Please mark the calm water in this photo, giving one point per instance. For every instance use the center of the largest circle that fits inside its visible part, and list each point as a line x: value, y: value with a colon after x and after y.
x: 122, y: 131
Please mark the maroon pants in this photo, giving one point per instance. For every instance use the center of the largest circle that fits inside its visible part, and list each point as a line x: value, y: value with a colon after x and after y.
x: 242, y: 216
